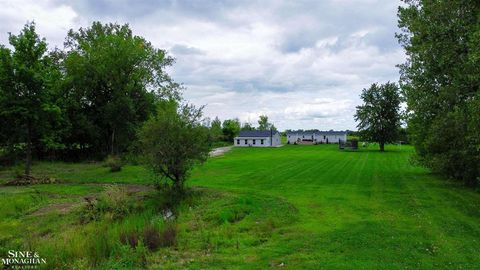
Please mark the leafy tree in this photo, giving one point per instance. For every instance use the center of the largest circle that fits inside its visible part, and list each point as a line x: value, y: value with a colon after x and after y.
x: 263, y: 123
x: 379, y: 116
x: 26, y: 98
x: 247, y: 126
x: 441, y: 83
x: 113, y: 79
x: 216, y: 132
x: 230, y: 128
x: 173, y: 141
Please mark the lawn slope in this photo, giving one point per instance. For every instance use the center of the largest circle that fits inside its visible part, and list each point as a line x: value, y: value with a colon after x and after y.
x: 362, y: 210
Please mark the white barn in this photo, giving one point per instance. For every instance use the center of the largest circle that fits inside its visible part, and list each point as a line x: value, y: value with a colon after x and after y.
x: 257, y: 138
x: 307, y: 137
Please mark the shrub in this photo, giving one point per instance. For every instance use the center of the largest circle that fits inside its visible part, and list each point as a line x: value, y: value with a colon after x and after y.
x: 114, y: 201
x: 114, y: 162
x: 175, y: 127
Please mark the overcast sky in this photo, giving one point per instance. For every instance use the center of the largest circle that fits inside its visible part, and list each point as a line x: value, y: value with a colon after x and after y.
x: 302, y: 63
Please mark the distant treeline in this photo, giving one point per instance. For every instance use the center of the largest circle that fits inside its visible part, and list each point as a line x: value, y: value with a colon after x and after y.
x: 86, y: 100
x: 228, y: 129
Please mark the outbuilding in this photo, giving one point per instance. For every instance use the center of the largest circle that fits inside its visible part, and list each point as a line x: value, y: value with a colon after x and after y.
x: 257, y: 138
x: 313, y: 137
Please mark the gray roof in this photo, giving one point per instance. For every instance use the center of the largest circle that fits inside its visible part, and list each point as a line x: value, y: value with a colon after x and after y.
x: 256, y: 133
x: 330, y: 132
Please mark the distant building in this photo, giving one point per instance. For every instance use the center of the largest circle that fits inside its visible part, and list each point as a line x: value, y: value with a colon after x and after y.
x: 257, y: 138
x: 311, y: 137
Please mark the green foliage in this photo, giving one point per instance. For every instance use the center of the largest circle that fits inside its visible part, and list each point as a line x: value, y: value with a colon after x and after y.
x: 230, y: 129
x: 114, y: 79
x: 441, y: 81
x: 216, y: 130
x: 27, y: 101
x: 379, y: 116
x: 85, y: 101
x: 114, y: 163
x: 263, y: 123
x: 114, y: 203
x: 247, y: 126
x: 173, y: 141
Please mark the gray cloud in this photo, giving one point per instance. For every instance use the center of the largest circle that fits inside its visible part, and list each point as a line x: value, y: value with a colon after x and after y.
x: 303, y: 63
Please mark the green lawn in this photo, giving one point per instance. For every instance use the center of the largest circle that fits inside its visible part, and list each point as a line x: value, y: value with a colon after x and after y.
x: 357, y: 210
x: 295, y: 207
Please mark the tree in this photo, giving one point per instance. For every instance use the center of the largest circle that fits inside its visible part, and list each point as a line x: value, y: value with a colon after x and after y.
x: 379, y: 117
x: 441, y: 83
x: 230, y: 128
x: 263, y: 123
x: 113, y: 79
x: 26, y: 97
x: 173, y: 141
x: 247, y: 126
x: 216, y: 132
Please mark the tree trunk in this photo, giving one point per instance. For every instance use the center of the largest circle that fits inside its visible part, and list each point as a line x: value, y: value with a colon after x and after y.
x: 382, y: 146
x: 28, y: 161
x: 178, y: 186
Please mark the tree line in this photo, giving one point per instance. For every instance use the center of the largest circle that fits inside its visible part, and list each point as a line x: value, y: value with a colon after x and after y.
x: 87, y: 100
x: 230, y: 128
x: 440, y: 85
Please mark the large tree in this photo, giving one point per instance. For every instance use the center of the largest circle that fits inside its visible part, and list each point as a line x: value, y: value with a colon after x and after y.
x: 113, y: 79
x: 264, y: 124
x: 441, y: 82
x: 216, y: 132
x: 173, y: 141
x: 27, y: 99
x: 230, y: 128
x: 379, y: 116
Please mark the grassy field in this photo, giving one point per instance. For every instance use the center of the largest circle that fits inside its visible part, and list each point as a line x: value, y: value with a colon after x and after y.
x: 295, y: 207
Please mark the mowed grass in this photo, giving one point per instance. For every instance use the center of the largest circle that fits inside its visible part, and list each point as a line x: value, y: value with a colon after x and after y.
x: 294, y: 207
x: 357, y: 210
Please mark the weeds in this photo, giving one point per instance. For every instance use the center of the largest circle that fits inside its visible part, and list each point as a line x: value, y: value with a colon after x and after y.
x: 114, y: 202
x: 114, y: 163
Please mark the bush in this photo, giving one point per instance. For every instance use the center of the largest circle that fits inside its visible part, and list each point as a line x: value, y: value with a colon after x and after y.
x: 114, y: 202
x: 114, y: 162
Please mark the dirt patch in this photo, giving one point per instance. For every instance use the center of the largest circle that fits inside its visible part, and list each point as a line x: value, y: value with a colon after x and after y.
x: 220, y: 151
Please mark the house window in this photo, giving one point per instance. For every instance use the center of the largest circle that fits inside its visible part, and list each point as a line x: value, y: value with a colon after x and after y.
x: 261, y: 141
x: 238, y: 141
x: 246, y: 141
x: 254, y: 141
x: 324, y: 137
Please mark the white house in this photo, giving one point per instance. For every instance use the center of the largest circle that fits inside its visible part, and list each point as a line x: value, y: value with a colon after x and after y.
x: 257, y: 138
x: 307, y: 137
